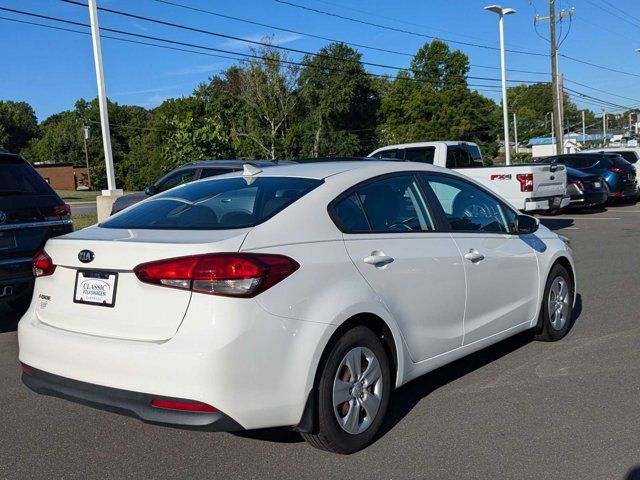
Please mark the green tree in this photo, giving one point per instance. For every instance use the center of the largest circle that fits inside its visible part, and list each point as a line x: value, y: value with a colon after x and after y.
x: 338, y: 104
x: 267, y: 91
x: 18, y: 125
x: 433, y: 102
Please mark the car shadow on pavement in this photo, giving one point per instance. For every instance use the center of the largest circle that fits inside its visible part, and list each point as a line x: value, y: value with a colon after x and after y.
x: 405, y: 398
x: 556, y: 223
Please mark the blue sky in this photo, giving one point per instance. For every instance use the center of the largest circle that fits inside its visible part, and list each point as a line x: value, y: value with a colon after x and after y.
x: 51, y: 69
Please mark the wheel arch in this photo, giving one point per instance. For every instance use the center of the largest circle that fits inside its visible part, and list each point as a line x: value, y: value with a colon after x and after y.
x: 391, y: 342
x: 565, y: 262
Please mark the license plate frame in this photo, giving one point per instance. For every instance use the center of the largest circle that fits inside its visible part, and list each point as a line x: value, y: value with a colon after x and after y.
x: 8, y: 240
x: 91, y: 296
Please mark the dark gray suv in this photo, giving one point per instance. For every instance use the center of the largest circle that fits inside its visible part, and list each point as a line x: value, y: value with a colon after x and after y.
x: 185, y: 174
x: 31, y: 212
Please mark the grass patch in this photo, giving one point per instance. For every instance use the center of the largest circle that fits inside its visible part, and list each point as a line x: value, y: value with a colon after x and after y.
x: 83, y: 221
x: 71, y: 196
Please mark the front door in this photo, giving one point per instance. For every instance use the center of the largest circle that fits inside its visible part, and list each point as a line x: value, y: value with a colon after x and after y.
x: 501, y: 267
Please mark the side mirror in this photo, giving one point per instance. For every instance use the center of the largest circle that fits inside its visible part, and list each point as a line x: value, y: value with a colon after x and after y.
x: 151, y: 190
x: 526, y: 224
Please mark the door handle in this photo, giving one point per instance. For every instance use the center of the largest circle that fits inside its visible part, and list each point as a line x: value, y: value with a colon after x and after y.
x: 378, y: 259
x: 474, y: 256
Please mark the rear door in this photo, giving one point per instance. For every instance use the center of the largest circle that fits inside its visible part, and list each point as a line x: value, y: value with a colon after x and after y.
x: 393, y: 240
x: 501, y: 268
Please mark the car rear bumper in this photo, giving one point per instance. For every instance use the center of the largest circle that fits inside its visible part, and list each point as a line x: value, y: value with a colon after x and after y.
x: 542, y: 204
x: 124, y: 402
x: 16, y: 278
x: 589, y: 199
x: 255, y: 367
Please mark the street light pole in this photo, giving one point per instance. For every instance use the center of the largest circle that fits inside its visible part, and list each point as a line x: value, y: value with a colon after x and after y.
x: 505, y: 109
x: 102, y: 100
x: 515, y: 130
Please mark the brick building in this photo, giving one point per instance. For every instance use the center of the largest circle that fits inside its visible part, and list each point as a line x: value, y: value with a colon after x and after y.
x: 64, y: 176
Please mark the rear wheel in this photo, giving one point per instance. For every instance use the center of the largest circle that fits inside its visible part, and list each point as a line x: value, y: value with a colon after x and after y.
x: 353, y: 393
x: 557, y: 305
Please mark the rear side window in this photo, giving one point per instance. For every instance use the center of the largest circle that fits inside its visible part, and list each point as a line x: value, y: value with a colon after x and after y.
x: 215, y: 204
x: 175, y: 179
x: 422, y: 154
x: 392, y: 204
x: 17, y: 177
x: 214, y: 172
x: 463, y: 156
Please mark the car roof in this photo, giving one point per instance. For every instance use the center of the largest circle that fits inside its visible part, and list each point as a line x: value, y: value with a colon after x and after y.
x: 323, y: 170
x: 8, y: 155
x: 229, y: 163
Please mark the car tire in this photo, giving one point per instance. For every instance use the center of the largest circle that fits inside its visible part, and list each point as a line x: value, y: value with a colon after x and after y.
x: 556, y: 314
x: 350, y: 425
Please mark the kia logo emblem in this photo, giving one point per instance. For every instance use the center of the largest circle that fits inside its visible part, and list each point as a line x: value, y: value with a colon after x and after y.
x: 86, y: 256
x: 3, y: 217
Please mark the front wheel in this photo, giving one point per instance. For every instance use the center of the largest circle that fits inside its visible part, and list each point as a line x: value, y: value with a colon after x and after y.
x: 557, y: 306
x: 353, y: 393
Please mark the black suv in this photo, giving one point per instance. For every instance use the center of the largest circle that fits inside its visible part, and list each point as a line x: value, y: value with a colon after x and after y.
x: 185, y: 174
x: 31, y: 212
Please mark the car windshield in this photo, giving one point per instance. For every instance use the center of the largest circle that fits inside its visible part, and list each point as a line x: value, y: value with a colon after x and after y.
x: 215, y: 204
x: 18, y: 178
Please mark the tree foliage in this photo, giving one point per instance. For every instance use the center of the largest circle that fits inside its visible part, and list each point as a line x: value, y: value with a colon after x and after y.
x: 268, y: 108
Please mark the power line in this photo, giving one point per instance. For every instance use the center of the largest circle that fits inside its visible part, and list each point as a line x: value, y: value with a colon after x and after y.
x: 608, y: 69
x: 601, y: 91
x: 320, y: 37
x: 401, y: 30
x: 192, y: 45
x: 259, y: 43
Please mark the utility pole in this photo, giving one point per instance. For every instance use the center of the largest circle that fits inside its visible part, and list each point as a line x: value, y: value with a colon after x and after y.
x: 604, y: 126
x: 85, y: 136
x: 584, y: 129
x: 556, y: 82
x: 515, y: 129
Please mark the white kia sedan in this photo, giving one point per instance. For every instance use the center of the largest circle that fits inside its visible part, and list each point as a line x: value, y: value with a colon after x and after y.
x: 297, y: 296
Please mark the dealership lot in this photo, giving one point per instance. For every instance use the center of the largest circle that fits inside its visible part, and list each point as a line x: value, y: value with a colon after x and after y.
x: 519, y: 409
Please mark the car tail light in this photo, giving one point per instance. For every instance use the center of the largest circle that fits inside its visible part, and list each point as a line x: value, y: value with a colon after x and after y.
x: 526, y: 181
x: 226, y: 274
x: 579, y: 184
x: 57, y: 212
x: 183, y: 406
x: 43, y: 265
x: 615, y: 169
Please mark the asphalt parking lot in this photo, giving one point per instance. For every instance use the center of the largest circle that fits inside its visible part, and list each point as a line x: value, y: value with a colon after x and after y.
x: 519, y: 409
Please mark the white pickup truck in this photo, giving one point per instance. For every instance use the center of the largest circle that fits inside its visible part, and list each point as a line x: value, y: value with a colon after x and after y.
x: 529, y: 187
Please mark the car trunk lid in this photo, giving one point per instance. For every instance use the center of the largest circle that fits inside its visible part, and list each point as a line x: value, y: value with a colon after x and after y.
x: 133, y: 310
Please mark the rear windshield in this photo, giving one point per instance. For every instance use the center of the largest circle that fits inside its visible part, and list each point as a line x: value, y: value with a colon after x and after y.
x: 630, y: 157
x: 619, y: 161
x: 17, y: 177
x: 215, y: 204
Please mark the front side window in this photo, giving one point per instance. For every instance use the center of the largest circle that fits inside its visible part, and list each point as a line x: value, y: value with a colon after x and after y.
x: 393, y: 204
x: 175, y: 179
x: 467, y: 207
x: 215, y: 204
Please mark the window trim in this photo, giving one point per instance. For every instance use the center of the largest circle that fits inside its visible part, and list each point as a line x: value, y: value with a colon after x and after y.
x: 442, y: 215
x: 435, y: 216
